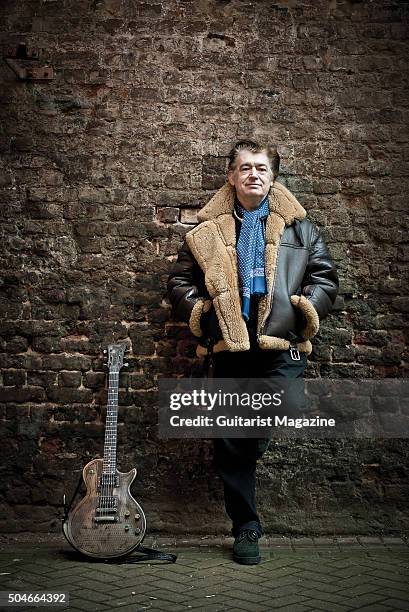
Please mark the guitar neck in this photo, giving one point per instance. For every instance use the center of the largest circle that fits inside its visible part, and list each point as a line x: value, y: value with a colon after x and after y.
x: 111, y: 424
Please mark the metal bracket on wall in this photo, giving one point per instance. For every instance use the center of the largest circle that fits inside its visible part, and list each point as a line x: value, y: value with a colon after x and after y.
x: 21, y: 60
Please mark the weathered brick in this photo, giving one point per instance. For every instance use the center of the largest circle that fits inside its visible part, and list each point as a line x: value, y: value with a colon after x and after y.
x: 168, y: 215
x: 18, y: 344
x: 344, y: 353
x: 69, y: 379
x: 93, y: 195
x: 326, y: 186
x: 66, y: 362
x: 14, y: 377
x: 66, y: 395
x: 213, y: 172
x: 17, y: 494
x: 41, y: 379
x: 91, y: 227
x: 188, y: 216
x: 23, y: 394
x: 94, y: 380
x: 142, y: 341
x: 47, y: 344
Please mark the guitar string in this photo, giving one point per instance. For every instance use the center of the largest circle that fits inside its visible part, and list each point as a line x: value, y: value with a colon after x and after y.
x: 110, y: 471
x: 109, y: 461
x: 111, y: 397
x: 111, y: 404
x: 108, y: 480
x: 103, y: 483
x: 114, y: 413
x: 103, y: 497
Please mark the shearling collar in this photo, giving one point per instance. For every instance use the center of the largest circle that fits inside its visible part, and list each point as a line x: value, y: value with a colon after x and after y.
x: 281, y: 201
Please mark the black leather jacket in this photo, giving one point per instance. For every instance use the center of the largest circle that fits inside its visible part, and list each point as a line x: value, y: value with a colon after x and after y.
x: 304, y: 267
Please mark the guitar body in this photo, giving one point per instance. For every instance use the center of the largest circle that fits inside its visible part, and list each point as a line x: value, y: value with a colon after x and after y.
x: 108, y: 521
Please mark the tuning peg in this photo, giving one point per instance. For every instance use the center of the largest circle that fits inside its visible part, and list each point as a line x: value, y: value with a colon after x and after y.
x: 104, y: 351
x: 126, y: 364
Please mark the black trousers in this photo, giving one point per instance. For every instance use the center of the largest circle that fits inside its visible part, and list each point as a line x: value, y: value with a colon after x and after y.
x: 235, y: 459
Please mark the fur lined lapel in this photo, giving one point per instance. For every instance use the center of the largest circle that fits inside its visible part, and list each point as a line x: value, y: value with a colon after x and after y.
x: 281, y: 201
x: 213, y: 244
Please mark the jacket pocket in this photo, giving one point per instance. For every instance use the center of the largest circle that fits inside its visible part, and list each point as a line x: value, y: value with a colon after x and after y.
x: 202, y: 305
x: 311, y: 316
x: 209, y: 324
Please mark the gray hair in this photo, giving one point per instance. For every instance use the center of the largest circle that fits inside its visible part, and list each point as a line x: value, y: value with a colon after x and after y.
x: 255, y: 147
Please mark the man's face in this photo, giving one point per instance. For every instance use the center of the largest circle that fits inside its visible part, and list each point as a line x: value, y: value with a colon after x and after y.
x: 252, y: 177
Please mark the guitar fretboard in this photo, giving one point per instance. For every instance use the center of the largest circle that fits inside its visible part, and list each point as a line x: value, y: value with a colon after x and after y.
x: 111, y: 424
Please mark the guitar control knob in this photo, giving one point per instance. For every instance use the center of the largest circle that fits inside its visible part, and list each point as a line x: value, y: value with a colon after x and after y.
x: 126, y: 527
x: 137, y: 516
x: 137, y: 531
x: 126, y: 514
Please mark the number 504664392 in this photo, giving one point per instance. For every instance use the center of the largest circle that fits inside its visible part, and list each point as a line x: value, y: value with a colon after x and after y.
x: 22, y: 598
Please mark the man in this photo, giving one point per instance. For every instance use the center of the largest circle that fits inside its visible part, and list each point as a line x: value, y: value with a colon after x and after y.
x: 252, y: 279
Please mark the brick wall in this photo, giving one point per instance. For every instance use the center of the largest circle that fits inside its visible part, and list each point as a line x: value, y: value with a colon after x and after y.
x: 102, y: 171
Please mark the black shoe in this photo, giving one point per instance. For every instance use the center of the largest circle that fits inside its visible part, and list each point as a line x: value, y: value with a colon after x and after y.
x: 245, y: 548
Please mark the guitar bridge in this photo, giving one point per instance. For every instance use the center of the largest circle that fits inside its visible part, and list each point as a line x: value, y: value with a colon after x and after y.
x: 107, y: 509
x: 106, y: 518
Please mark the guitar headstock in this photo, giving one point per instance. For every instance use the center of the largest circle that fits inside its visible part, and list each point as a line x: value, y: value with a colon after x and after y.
x: 115, y: 357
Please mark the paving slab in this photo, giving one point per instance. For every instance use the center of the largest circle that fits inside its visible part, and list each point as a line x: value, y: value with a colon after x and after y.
x: 329, y: 574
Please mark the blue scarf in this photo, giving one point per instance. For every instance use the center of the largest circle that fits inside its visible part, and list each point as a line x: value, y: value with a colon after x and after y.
x: 250, y: 254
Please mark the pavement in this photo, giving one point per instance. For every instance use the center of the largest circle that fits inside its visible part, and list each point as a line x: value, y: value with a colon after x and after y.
x: 296, y: 574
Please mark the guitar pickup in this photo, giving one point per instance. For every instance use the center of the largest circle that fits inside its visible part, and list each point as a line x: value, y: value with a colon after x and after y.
x: 108, y: 480
x: 107, y: 503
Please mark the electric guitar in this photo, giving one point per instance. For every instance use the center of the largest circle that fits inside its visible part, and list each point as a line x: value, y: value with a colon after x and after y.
x: 108, y: 521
